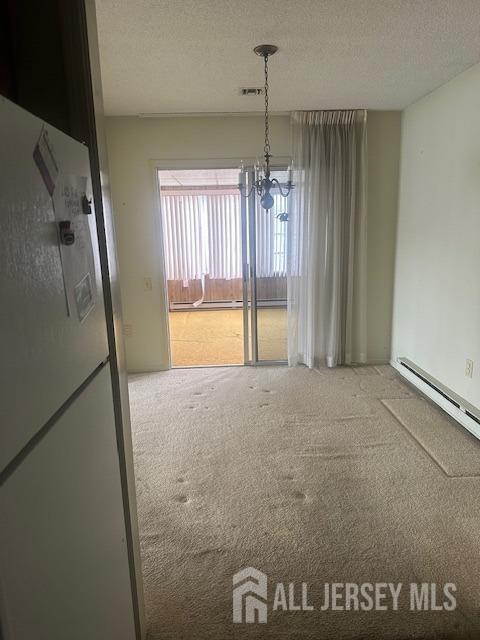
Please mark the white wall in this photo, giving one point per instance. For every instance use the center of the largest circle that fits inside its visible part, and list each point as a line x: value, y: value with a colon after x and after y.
x: 383, y: 169
x: 134, y: 144
x: 437, y: 277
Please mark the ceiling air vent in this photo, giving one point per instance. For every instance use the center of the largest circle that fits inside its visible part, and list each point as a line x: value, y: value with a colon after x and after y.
x: 251, y: 91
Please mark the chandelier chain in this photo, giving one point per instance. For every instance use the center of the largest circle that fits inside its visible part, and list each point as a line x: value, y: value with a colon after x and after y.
x: 266, y: 147
x: 264, y: 185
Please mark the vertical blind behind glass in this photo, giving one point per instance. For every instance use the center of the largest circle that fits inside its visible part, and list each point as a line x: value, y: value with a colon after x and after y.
x: 203, y: 237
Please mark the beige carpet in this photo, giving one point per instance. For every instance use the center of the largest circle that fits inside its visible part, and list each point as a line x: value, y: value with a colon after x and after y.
x: 309, y: 477
x: 215, y: 337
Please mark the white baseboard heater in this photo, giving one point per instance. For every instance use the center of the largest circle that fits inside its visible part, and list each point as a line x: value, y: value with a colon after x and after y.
x: 453, y: 404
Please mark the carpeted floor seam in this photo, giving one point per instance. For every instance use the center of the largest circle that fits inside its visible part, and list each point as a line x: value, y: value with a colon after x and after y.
x: 414, y: 439
x: 430, y: 454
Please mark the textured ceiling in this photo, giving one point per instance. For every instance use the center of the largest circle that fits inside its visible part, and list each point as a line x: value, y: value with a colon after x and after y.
x: 190, y: 56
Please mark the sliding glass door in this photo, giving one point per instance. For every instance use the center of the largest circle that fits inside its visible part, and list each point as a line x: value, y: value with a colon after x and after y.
x: 225, y: 266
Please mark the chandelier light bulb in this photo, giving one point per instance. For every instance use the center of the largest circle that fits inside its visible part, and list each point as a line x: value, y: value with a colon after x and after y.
x: 290, y: 172
x: 241, y: 176
x: 267, y: 201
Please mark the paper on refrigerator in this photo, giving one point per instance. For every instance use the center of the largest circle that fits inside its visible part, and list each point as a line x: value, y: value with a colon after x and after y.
x: 77, y: 259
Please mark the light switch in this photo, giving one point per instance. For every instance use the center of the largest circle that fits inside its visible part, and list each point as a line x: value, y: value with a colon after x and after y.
x: 147, y: 284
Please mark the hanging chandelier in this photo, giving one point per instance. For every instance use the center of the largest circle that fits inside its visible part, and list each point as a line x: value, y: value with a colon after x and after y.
x: 263, y: 183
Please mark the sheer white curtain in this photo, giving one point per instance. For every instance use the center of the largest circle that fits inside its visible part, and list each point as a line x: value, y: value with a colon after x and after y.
x: 327, y: 239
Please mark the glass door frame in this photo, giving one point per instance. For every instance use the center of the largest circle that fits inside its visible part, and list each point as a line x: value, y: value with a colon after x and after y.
x: 248, y: 265
x: 249, y: 275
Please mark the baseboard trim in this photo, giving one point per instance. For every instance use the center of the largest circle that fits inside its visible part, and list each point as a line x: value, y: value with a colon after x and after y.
x: 449, y: 402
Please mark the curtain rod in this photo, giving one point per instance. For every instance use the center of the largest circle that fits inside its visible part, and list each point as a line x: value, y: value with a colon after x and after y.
x: 328, y: 115
x: 310, y: 110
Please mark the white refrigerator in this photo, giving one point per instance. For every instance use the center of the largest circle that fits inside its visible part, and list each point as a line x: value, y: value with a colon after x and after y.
x: 64, y: 563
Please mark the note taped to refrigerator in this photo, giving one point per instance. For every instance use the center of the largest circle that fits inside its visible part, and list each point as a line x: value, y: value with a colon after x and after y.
x: 75, y: 228
x: 45, y: 161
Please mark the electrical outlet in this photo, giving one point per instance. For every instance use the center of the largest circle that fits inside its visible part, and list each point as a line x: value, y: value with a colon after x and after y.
x: 469, y: 368
x: 127, y: 330
x: 147, y: 284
